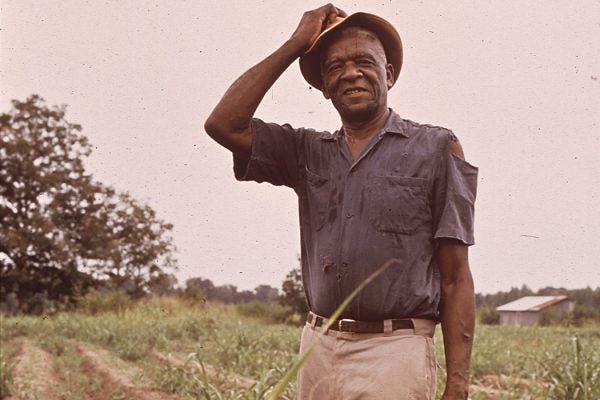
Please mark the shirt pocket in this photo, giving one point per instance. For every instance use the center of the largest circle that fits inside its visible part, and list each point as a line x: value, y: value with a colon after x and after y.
x: 318, y: 191
x: 397, y: 204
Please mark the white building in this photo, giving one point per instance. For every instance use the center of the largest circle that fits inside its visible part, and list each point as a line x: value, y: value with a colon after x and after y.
x: 528, y: 310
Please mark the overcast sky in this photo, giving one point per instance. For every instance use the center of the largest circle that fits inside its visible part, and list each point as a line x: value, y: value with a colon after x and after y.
x: 518, y: 82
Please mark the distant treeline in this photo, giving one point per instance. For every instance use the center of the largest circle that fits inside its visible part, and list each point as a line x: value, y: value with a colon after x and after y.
x: 583, y: 297
x: 205, y: 289
x: 587, y: 305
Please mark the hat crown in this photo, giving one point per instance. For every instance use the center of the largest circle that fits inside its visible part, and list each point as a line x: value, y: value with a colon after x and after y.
x: 387, y: 34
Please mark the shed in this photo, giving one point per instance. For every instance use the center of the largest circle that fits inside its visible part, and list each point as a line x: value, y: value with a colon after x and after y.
x: 528, y: 310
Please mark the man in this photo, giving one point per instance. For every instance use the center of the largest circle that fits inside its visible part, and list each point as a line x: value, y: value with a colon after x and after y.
x: 381, y: 188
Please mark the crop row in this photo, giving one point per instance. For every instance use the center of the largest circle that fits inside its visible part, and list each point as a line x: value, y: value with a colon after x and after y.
x: 508, y: 362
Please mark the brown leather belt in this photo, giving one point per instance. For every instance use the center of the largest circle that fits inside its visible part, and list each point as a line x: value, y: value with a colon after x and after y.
x: 350, y: 325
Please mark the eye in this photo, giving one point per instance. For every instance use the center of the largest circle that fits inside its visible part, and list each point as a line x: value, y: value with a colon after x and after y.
x: 364, y: 61
x: 335, y: 67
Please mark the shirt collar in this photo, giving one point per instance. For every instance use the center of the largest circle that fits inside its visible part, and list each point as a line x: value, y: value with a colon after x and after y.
x: 394, y: 125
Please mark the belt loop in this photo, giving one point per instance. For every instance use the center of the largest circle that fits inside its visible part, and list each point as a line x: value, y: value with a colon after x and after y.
x: 314, y: 318
x: 387, y: 326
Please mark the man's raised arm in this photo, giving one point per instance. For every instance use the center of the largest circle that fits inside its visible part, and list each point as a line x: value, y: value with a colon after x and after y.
x: 229, y: 122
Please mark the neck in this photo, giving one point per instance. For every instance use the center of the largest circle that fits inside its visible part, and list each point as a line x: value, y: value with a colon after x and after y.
x: 356, y: 131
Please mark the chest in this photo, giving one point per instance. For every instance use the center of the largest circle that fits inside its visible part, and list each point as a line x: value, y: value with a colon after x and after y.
x: 387, y: 182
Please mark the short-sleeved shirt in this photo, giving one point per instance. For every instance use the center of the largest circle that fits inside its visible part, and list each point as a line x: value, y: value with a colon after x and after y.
x: 404, y: 191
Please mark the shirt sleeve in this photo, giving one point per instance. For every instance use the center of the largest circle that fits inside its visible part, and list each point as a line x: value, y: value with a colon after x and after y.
x: 454, y: 198
x: 277, y: 155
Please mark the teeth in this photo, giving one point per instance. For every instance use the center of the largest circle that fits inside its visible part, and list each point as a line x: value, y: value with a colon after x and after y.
x: 353, y: 91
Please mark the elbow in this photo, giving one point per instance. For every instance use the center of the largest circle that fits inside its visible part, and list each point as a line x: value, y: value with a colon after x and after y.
x: 211, y: 126
x: 222, y: 131
x: 221, y: 128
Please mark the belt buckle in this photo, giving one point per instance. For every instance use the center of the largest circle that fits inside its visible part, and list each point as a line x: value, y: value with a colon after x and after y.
x: 341, y: 324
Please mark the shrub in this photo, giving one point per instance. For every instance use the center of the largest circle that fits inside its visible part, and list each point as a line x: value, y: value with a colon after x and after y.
x: 96, y: 302
x: 583, y: 314
x: 194, y: 295
x: 549, y: 317
x: 489, y: 316
x: 270, y: 312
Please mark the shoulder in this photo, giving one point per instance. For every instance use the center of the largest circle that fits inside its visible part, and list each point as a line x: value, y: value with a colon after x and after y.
x: 442, y: 139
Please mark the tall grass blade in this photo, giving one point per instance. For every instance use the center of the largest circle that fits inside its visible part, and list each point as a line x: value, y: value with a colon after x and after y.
x: 291, y: 373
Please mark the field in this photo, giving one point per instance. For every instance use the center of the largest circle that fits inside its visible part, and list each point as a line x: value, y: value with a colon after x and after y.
x: 165, y: 349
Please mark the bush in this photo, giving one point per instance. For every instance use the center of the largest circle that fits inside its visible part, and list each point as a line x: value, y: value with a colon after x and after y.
x: 270, y: 312
x: 193, y: 295
x: 489, y: 316
x: 549, y: 317
x: 96, y: 302
x: 583, y: 314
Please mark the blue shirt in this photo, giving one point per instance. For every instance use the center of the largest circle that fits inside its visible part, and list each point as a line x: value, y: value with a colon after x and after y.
x: 404, y: 190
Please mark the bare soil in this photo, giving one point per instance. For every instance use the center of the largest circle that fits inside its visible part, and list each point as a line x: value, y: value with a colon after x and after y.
x: 104, y: 364
x: 34, y: 375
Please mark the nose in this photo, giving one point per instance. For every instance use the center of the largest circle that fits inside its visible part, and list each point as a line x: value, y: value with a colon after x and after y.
x: 351, y: 72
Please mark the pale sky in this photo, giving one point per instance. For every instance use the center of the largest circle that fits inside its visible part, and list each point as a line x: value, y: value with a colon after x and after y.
x: 518, y: 83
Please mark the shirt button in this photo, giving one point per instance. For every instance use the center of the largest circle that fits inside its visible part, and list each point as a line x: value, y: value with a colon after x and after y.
x: 349, y: 215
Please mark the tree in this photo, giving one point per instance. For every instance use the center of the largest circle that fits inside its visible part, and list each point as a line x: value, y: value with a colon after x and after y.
x: 137, y: 248
x: 60, y: 231
x: 199, y: 287
x: 163, y: 284
x: 245, y: 296
x: 266, y: 294
x: 226, y: 294
x: 293, y: 292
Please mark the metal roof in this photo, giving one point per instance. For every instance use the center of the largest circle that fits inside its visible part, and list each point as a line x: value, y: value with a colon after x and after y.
x: 531, y: 303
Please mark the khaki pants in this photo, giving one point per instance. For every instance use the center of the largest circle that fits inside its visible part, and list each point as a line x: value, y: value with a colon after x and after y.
x: 351, y: 366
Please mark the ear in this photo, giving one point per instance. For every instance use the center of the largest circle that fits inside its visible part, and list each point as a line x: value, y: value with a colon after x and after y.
x: 389, y: 72
x: 325, y: 92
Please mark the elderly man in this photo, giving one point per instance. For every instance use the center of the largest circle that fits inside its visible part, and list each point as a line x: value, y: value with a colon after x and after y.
x: 381, y: 188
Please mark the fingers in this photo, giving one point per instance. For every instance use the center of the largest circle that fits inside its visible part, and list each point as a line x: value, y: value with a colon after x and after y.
x: 333, y: 12
x: 341, y: 13
x: 313, y: 22
x: 331, y: 17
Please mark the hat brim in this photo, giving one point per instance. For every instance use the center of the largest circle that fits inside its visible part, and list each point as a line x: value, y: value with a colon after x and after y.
x: 310, y: 62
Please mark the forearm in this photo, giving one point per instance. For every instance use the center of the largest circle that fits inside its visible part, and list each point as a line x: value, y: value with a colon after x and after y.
x: 458, y: 320
x: 229, y: 123
x: 233, y: 113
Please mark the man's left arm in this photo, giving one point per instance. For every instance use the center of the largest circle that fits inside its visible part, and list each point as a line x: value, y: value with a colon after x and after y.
x: 457, y: 310
x: 457, y: 303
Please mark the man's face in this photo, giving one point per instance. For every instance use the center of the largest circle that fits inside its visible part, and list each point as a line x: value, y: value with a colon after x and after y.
x: 356, y: 75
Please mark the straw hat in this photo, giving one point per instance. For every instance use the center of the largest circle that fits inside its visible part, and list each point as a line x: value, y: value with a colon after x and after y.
x: 310, y: 65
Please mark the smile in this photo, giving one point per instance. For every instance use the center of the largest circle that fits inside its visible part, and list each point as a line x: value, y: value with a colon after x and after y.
x: 354, y: 90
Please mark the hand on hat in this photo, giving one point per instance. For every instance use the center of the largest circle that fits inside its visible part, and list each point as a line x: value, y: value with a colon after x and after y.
x: 314, y: 22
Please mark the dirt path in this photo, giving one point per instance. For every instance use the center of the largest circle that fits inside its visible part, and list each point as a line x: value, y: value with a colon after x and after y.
x: 179, y: 359
x: 34, y: 376
x: 117, y: 372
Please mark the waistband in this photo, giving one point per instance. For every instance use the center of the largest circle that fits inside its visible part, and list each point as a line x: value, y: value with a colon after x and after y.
x: 408, y: 326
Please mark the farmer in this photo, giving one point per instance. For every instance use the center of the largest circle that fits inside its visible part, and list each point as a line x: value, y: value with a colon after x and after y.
x: 382, y: 189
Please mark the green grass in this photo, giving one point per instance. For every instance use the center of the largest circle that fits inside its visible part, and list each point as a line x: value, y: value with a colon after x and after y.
x: 540, y: 362
x: 526, y: 362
